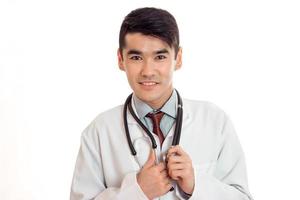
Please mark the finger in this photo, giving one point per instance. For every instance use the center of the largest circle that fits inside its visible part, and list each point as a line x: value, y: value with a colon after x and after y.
x: 151, y: 159
x: 177, y: 166
x: 176, y: 171
x: 175, y: 150
x: 176, y: 159
x: 176, y: 174
x: 171, y: 151
x: 161, y: 166
x: 168, y: 181
x: 165, y: 174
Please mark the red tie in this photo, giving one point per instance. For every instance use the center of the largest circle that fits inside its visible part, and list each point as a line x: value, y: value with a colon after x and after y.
x: 156, y: 117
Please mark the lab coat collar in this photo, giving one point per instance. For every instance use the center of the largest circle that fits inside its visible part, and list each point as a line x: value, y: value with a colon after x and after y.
x: 131, y: 120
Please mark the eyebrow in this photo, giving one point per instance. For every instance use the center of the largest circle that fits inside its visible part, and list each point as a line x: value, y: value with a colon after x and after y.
x: 134, y: 51
x: 162, y: 51
x: 138, y: 52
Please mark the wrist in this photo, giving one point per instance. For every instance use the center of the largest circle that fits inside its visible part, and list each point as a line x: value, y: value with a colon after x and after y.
x: 188, y: 190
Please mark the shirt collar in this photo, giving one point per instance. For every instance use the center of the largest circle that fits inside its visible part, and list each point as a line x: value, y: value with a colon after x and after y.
x: 168, y: 108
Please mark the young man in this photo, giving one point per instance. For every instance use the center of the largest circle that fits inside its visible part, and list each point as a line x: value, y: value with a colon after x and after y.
x: 208, y: 163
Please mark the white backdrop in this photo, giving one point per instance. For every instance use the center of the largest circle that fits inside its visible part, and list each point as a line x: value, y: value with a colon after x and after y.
x: 58, y: 70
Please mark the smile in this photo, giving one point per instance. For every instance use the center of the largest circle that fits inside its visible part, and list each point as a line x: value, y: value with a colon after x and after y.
x: 148, y: 83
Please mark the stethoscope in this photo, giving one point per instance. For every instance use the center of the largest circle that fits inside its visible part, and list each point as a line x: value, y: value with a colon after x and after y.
x: 178, y: 126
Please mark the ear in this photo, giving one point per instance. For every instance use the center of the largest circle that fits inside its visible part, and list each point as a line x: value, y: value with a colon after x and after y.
x: 178, y: 59
x: 120, y: 60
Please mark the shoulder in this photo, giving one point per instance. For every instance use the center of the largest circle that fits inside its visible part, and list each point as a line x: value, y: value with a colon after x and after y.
x: 204, y: 109
x: 109, y: 116
x: 202, y: 106
x: 105, y: 120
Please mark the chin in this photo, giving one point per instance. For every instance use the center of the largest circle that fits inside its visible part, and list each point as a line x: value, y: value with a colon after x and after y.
x: 148, y: 96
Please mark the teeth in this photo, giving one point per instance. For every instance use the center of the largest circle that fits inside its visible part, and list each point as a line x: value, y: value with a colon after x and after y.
x: 148, y: 83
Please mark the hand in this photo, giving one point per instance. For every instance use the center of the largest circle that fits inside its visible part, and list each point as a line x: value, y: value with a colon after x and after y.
x: 153, y: 179
x: 180, y: 168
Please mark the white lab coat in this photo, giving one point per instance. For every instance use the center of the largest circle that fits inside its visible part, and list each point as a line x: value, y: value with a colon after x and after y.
x: 105, y: 168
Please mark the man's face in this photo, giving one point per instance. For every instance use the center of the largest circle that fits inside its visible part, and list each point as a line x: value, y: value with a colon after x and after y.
x: 149, y: 63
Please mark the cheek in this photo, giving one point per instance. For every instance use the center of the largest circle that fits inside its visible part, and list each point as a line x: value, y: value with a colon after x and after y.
x: 131, y: 75
x: 167, y: 73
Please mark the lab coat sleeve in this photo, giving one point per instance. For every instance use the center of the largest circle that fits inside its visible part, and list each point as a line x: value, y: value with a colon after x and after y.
x: 88, y: 179
x: 229, y: 180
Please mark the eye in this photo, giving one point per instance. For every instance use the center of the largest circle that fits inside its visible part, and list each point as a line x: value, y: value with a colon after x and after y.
x: 135, y: 58
x: 160, y: 57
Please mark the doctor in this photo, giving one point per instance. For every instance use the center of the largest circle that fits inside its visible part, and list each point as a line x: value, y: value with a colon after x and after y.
x: 208, y: 163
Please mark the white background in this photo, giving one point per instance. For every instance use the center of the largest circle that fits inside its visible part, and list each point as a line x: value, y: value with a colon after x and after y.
x: 58, y: 70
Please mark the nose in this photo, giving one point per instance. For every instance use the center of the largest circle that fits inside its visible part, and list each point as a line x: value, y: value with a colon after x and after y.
x: 147, y: 69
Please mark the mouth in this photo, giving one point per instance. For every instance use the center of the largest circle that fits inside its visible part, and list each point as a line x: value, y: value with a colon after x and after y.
x: 148, y: 84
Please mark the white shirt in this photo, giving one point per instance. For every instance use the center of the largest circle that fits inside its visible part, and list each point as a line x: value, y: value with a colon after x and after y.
x: 105, y: 168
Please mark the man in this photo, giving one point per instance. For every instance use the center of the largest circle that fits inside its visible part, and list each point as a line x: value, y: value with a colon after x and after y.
x: 208, y: 163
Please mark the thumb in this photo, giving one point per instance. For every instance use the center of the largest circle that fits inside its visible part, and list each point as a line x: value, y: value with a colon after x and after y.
x: 151, y: 159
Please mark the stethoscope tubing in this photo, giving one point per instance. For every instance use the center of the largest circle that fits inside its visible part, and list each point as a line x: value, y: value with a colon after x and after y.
x: 178, y: 126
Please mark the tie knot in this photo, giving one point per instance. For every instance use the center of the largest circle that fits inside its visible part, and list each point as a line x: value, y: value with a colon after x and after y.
x: 156, y: 117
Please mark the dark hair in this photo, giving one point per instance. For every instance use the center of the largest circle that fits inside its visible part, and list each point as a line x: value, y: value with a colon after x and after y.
x: 151, y: 21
